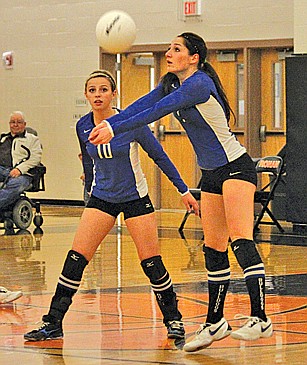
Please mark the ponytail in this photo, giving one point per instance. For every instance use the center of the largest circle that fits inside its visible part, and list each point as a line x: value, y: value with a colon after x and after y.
x: 196, y: 44
x: 168, y: 80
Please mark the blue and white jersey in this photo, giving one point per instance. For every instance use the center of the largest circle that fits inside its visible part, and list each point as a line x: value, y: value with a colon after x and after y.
x: 113, y: 171
x: 200, y: 111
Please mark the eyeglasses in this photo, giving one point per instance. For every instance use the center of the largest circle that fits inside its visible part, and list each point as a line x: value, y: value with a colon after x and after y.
x: 19, y: 122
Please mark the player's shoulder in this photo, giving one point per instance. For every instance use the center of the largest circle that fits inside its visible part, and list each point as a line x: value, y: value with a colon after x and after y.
x: 85, y: 122
x: 198, y: 78
x: 198, y: 84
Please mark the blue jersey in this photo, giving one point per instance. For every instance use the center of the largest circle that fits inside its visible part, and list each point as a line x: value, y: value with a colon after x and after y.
x: 113, y: 171
x: 200, y: 111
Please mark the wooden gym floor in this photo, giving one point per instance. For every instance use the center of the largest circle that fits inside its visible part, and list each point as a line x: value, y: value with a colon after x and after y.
x: 114, y: 319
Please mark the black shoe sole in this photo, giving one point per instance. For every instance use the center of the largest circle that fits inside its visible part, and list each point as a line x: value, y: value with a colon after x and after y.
x: 42, y: 339
x: 176, y: 337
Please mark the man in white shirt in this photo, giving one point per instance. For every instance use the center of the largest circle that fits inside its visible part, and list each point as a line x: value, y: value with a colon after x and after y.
x: 20, y: 151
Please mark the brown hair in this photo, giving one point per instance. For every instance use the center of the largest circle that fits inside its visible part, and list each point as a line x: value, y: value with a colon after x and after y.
x: 102, y: 73
x: 196, y: 44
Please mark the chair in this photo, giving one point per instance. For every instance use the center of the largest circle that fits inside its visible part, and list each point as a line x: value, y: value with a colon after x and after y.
x: 273, y: 166
x: 196, y: 192
x: 38, y: 180
x: 20, y: 213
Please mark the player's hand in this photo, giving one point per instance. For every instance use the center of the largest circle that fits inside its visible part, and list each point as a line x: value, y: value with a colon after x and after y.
x: 190, y: 203
x: 101, y: 134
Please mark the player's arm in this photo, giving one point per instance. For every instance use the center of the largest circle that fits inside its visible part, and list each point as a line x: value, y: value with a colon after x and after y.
x: 103, y: 132
x: 190, y: 93
x: 155, y: 151
x: 87, y: 162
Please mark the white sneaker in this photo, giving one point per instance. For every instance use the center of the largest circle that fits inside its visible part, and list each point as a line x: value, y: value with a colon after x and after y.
x: 7, y: 296
x: 253, y: 329
x: 208, y: 333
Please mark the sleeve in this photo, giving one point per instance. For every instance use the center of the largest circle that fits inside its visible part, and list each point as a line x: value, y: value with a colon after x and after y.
x: 87, y: 163
x: 153, y: 148
x: 139, y: 105
x: 34, y: 148
x: 193, y: 91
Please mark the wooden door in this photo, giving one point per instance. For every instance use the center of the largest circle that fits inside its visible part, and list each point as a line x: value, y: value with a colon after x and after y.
x: 178, y: 147
x: 135, y: 82
x: 228, y: 72
x: 272, y: 93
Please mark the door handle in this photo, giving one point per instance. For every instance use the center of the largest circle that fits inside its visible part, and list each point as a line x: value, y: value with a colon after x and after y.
x: 161, y: 132
x: 262, y: 133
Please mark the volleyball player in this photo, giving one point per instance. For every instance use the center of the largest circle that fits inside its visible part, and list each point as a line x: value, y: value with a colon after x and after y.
x: 193, y: 92
x: 116, y: 183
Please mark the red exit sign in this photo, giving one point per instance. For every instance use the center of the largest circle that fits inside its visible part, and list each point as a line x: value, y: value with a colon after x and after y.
x: 191, y: 8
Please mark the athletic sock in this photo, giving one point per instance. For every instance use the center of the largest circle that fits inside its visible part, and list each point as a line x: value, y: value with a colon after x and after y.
x: 218, y: 269
x: 68, y: 284
x: 254, y: 274
x: 162, y: 286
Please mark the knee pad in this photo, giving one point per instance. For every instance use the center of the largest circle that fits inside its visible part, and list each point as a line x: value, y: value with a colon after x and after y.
x: 154, y: 268
x: 246, y: 253
x: 215, y: 260
x: 217, y: 265
x: 162, y: 286
x: 72, y: 272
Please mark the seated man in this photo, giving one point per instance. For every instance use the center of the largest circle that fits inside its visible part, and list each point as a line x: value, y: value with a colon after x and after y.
x: 19, y: 152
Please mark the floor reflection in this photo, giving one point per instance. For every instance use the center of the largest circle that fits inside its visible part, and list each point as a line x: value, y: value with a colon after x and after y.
x: 114, y: 318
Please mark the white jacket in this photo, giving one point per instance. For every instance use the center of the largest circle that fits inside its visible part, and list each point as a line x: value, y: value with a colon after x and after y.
x: 26, y: 151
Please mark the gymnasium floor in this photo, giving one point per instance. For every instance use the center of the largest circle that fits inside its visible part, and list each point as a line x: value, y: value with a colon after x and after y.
x: 114, y: 319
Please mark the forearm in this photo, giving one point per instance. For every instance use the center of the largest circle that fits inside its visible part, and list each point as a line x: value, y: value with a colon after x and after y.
x: 138, y: 106
x: 184, y: 97
x: 155, y: 151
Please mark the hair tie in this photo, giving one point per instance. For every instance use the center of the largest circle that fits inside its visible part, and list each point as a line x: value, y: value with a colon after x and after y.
x: 102, y: 73
x: 187, y: 38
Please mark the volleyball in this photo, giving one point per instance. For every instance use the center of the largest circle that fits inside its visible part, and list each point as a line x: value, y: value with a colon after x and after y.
x: 115, y: 31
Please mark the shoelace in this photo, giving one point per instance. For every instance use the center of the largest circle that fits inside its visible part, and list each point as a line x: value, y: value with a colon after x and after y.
x: 250, y: 321
x: 176, y: 324
x: 42, y: 325
x: 201, y: 328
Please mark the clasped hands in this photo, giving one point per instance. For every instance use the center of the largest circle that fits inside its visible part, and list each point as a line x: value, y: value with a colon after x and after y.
x: 101, y: 134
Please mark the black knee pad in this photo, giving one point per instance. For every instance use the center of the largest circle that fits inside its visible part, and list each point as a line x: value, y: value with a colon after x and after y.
x: 154, y: 268
x: 215, y: 260
x: 68, y: 284
x: 74, y: 265
x: 246, y: 253
x: 72, y: 272
x: 162, y: 286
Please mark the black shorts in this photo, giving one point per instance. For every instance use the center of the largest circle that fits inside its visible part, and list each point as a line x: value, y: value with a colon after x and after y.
x: 243, y: 168
x: 133, y: 208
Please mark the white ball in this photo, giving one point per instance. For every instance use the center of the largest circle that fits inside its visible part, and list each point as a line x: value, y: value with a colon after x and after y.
x: 115, y: 31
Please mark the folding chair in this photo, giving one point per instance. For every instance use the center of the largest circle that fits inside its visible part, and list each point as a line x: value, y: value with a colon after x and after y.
x: 196, y: 194
x: 273, y: 166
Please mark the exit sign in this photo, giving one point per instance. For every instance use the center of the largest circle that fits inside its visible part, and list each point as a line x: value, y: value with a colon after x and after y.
x: 192, y: 8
